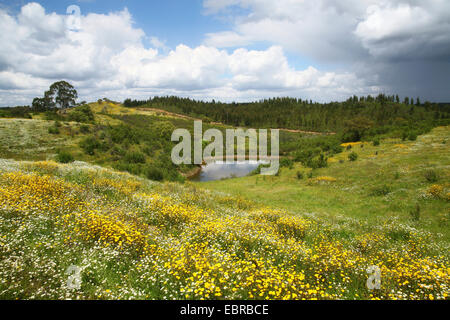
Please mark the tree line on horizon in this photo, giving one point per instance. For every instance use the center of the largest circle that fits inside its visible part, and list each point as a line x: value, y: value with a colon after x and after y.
x: 355, y: 117
x: 295, y: 113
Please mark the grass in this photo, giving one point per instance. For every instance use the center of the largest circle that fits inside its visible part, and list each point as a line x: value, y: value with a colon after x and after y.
x: 137, y: 239
x: 30, y: 139
x: 352, y: 193
x: 256, y: 237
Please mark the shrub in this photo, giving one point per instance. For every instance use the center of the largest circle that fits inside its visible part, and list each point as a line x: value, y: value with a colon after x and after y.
x: 153, y: 173
x: 353, y: 156
x: 431, y: 175
x: 53, y: 130
x: 135, y: 157
x: 123, y: 133
x: 299, y: 175
x: 320, y: 162
x: 89, y: 144
x: 81, y: 114
x: 16, y: 112
x: 84, y: 128
x: 286, y: 162
x: 412, y: 136
x: 335, y: 149
x: 117, y: 151
x: 376, y: 142
x: 52, y: 115
x: 258, y: 169
x: 64, y: 157
x: 404, y: 135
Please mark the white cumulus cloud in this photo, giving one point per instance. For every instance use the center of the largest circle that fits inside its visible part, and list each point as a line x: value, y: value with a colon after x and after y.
x: 396, y: 46
x: 108, y: 56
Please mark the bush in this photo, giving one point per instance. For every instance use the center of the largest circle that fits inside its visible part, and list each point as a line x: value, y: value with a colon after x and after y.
x: 135, y: 157
x: 376, y: 142
x: 117, y: 151
x: 353, y: 156
x: 64, y: 157
x: 84, y: 128
x: 320, y: 162
x: 52, y: 115
x: 412, y: 136
x: 53, y: 130
x: 123, y: 133
x: 431, y: 175
x: 16, y: 112
x: 81, y: 114
x: 335, y: 149
x: 153, y: 173
x: 89, y: 144
x: 258, y: 169
x: 404, y: 135
x: 299, y: 175
x: 286, y: 162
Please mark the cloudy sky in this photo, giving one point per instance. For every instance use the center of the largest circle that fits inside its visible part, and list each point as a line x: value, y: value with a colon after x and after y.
x: 229, y: 50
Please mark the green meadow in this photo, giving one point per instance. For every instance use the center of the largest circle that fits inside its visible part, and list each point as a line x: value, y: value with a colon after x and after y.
x: 94, y: 189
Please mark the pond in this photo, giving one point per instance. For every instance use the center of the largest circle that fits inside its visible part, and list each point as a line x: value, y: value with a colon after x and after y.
x: 219, y: 170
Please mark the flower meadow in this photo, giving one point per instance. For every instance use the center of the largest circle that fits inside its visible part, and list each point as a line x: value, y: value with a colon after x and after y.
x: 137, y: 239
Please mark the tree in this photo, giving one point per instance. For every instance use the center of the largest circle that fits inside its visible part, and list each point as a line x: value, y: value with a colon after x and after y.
x: 353, y: 156
x: 418, y: 101
x: 40, y: 104
x: 355, y: 128
x: 61, y: 94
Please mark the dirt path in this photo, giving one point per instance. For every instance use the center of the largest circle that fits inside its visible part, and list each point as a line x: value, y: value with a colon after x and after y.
x: 177, y: 115
x: 308, y: 132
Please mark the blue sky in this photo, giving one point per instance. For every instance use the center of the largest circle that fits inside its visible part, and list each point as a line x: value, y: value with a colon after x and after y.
x: 227, y: 49
x: 175, y: 21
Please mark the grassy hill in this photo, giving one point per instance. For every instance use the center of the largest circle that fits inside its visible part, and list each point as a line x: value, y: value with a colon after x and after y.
x: 133, y: 238
x: 386, y: 182
x: 106, y: 133
x: 303, y: 234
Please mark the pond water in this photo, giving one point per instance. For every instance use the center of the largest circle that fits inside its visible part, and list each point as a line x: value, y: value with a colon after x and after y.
x: 224, y: 170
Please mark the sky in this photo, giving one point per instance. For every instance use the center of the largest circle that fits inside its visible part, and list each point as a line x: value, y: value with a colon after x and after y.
x: 227, y: 50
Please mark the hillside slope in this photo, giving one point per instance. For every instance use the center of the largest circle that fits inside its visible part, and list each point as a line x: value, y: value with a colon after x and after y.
x: 134, y: 238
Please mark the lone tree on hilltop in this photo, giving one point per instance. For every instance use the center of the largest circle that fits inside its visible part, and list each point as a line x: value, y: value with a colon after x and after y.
x: 61, y: 94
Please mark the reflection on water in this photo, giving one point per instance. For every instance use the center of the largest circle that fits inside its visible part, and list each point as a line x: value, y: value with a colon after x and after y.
x: 223, y: 170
